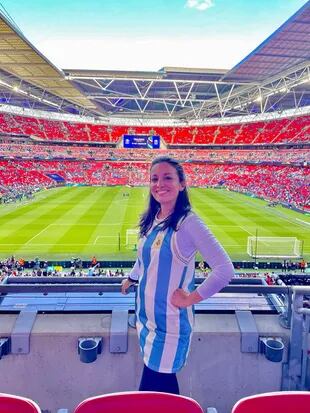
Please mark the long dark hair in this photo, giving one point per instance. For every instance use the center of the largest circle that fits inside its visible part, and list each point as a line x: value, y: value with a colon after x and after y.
x: 182, y: 205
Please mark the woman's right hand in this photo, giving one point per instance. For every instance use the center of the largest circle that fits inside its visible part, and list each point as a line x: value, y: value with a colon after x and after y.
x: 125, y: 285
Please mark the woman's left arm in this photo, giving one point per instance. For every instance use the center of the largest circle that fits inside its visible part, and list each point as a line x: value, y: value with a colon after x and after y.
x: 196, y: 236
x: 181, y: 298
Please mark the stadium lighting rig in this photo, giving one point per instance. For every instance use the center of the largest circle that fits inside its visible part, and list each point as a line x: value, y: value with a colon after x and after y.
x: 279, y: 85
x: 18, y: 90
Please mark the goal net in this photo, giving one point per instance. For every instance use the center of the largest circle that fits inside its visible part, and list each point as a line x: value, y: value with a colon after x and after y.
x: 274, y: 247
x: 132, y: 238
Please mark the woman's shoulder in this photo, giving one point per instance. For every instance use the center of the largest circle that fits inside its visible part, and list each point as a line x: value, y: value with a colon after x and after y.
x: 192, y: 216
x: 189, y: 219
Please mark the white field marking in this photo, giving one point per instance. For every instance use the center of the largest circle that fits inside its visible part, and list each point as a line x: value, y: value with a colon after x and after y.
x: 233, y: 245
x: 304, y: 222
x: 245, y: 230
x: 94, y: 225
x: 262, y: 208
x: 225, y: 226
x: 55, y: 243
x: 103, y: 236
x: 104, y: 243
x: 231, y: 226
x: 44, y: 229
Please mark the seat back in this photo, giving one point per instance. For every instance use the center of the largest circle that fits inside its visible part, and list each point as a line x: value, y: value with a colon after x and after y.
x: 139, y: 402
x: 275, y: 402
x: 10, y: 403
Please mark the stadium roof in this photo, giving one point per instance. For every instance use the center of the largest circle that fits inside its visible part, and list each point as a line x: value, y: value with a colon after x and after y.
x: 274, y: 77
x: 287, y: 47
x: 28, y: 78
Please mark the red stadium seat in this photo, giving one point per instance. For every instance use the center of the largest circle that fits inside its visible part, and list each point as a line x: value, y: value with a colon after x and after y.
x: 293, y: 130
x: 275, y: 402
x: 16, y: 404
x: 139, y: 402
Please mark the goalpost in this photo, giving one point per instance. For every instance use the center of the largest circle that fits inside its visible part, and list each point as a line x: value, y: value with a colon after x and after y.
x: 274, y: 247
x: 132, y: 238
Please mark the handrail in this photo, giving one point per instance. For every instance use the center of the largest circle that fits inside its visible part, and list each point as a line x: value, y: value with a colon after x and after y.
x: 102, y: 287
x: 300, y: 289
x: 296, y: 372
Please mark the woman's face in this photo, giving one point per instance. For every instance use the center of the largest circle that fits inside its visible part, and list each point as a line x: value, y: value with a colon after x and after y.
x: 165, y: 184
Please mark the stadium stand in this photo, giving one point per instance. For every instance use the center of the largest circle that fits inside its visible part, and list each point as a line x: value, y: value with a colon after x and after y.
x: 38, y: 153
x: 293, y: 130
x: 30, y: 150
x: 287, y: 184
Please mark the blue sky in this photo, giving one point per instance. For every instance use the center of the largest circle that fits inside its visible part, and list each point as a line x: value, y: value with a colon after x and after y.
x: 148, y: 34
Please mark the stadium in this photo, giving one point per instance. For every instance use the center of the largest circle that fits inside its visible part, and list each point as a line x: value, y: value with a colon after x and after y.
x: 75, y: 153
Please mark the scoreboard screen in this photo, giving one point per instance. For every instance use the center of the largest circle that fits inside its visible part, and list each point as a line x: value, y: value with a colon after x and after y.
x: 141, y: 141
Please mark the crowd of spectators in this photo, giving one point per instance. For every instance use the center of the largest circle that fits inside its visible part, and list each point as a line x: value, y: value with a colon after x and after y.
x: 17, y: 193
x: 295, y: 129
x: 15, y: 267
x: 286, y: 184
x: 10, y: 150
x: 12, y: 267
x: 28, y: 164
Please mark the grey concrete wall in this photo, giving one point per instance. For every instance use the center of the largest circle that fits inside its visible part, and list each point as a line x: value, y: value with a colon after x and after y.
x: 217, y: 373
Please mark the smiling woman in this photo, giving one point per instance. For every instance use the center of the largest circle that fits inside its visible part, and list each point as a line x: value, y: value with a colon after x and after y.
x: 170, y: 236
x: 165, y: 188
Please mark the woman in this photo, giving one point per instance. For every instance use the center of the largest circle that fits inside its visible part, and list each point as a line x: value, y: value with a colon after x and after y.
x: 170, y: 236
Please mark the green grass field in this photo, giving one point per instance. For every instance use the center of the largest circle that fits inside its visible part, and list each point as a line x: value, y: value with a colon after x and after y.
x: 86, y: 221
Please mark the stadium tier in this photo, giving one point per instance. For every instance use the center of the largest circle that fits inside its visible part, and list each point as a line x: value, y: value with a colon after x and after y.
x: 32, y: 150
x: 292, y: 130
x: 287, y: 184
x: 37, y: 153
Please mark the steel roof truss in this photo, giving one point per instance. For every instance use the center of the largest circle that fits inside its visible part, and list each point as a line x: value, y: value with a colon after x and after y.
x: 159, y: 80
x: 263, y: 104
x: 141, y: 94
x: 170, y: 113
x: 247, y: 95
x: 178, y: 93
x: 201, y: 107
x: 93, y: 84
x: 228, y: 97
x: 141, y: 107
x: 148, y: 88
x: 219, y: 100
x: 194, y: 110
x: 300, y: 99
x: 189, y: 93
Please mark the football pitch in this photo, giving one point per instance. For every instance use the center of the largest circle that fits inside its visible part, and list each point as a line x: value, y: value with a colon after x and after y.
x: 68, y: 222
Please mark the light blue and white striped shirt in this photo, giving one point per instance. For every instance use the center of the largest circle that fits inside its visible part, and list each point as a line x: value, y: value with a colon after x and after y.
x: 166, y: 261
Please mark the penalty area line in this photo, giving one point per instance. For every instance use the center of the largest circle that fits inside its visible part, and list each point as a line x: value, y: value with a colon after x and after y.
x: 304, y: 222
x: 44, y: 229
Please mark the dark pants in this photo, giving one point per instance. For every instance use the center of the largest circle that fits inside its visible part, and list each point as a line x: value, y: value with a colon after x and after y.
x: 161, y: 382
